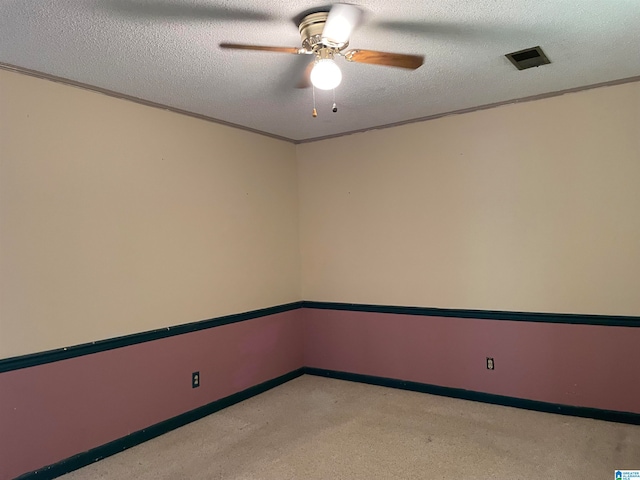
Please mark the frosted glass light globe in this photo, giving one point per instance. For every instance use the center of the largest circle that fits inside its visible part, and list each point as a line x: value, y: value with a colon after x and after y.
x: 326, y: 74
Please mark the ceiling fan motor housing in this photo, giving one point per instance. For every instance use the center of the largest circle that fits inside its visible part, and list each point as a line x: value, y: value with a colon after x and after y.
x: 311, y: 28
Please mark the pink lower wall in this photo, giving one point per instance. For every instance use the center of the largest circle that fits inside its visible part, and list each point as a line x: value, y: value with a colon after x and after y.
x: 578, y: 365
x: 53, y: 411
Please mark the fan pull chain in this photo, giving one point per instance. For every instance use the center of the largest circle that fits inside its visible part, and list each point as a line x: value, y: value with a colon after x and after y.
x: 314, y: 114
x: 334, y: 109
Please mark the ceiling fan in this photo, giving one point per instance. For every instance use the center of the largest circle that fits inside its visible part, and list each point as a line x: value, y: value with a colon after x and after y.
x: 325, y: 35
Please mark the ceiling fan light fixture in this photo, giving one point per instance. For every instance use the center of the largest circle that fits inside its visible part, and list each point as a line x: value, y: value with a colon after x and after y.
x: 326, y: 74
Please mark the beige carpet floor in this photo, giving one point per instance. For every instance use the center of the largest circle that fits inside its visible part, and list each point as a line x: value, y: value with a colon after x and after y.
x: 318, y: 428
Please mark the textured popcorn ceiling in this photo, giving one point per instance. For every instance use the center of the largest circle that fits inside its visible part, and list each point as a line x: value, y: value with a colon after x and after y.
x: 166, y: 51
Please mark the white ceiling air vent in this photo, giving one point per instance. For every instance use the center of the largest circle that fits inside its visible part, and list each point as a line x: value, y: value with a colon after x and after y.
x: 527, y: 58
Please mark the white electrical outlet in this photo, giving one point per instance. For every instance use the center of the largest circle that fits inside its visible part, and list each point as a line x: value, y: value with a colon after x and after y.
x: 490, y: 363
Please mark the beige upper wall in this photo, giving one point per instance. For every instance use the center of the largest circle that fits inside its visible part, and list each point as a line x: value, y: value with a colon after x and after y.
x: 118, y: 218
x: 526, y: 207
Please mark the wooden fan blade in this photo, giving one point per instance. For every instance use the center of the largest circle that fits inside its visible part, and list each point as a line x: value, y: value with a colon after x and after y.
x: 305, y: 79
x: 261, y: 48
x: 372, y: 57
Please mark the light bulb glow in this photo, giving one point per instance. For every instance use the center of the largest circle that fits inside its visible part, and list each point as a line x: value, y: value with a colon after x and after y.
x: 326, y: 74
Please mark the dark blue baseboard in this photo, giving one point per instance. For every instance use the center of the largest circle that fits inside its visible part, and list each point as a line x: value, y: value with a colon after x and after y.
x: 586, y: 412
x: 116, y: 446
